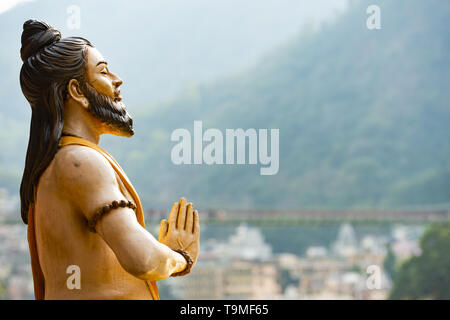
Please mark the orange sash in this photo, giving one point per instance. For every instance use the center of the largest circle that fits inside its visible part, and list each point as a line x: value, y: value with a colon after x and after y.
x: 38, y: 277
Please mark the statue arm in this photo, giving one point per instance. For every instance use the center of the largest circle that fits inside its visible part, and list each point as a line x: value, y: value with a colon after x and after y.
x: 137, y: 250
x: 89, y: 183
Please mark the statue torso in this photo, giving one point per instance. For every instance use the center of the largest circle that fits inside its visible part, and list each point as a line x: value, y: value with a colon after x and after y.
x: 63, y: 239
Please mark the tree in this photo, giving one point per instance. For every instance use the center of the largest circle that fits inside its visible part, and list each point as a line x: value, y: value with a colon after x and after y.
x: 390, y: 264
x: 3, y: 293
x: 426, y: 276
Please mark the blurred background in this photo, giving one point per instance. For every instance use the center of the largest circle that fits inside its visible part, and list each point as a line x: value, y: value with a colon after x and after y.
x: 360, y: 207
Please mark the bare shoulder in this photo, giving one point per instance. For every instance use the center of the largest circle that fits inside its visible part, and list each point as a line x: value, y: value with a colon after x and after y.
x: 78, y: 166
x: 85, y: 178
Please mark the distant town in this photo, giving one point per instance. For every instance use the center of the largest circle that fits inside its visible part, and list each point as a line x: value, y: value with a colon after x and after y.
x: 245, y: 266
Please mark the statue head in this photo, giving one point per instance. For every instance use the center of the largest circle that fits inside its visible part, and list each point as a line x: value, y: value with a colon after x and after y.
x: 59, y: 74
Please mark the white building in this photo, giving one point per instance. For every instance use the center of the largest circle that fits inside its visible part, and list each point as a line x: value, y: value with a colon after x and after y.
x: 346, y: 244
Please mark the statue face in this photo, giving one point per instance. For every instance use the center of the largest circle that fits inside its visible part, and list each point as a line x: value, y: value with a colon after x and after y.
x: 100, y: 77
x: 102, y: 89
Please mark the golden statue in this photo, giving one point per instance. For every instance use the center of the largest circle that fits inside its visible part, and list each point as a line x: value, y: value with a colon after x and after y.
x: 82, y: 211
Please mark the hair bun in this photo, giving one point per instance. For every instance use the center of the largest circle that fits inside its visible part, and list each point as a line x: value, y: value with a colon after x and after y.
x: 37, y: 35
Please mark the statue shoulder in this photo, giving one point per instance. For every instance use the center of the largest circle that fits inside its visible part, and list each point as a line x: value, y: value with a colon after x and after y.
x: 78, y: 166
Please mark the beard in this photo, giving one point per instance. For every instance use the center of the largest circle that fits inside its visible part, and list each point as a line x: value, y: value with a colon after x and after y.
x: 110, y: 111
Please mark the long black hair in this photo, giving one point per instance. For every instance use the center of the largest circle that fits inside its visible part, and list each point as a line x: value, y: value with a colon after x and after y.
x: 49, y: 63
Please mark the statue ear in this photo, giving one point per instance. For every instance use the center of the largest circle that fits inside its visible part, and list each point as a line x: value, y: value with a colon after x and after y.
x: 74, y: 92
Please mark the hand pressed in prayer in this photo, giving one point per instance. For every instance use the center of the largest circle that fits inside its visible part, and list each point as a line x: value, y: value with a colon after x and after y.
x: 182, y: 231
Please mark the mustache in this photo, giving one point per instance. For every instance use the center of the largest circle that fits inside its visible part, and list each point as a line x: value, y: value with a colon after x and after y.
x: 117, y: 95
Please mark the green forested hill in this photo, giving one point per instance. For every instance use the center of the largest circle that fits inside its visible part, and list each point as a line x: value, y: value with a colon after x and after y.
x: 363, y: 118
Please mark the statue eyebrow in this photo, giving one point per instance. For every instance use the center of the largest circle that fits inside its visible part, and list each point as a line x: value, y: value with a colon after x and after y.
x: 100, y: 62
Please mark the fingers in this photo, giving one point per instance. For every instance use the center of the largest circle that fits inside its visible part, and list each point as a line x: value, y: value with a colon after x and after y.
x: 182, y: 213
x: 183, y: 217
x: 173, y: 216
x: 189, y: 217
x: 196, y: 229
x: 163, y: 229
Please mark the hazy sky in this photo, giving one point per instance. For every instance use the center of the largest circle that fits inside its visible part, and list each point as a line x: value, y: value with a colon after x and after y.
x: 181, y: 41
x: 316, y: 10
x: 6, y: 5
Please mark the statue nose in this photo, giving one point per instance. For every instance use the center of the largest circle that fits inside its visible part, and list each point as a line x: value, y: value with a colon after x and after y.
x: 118, y: 82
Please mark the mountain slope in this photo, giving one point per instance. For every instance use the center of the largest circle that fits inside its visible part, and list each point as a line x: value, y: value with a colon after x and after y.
x: 363, y: 118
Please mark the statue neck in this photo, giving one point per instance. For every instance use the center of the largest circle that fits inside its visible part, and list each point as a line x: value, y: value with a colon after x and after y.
x: 78, y: 122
